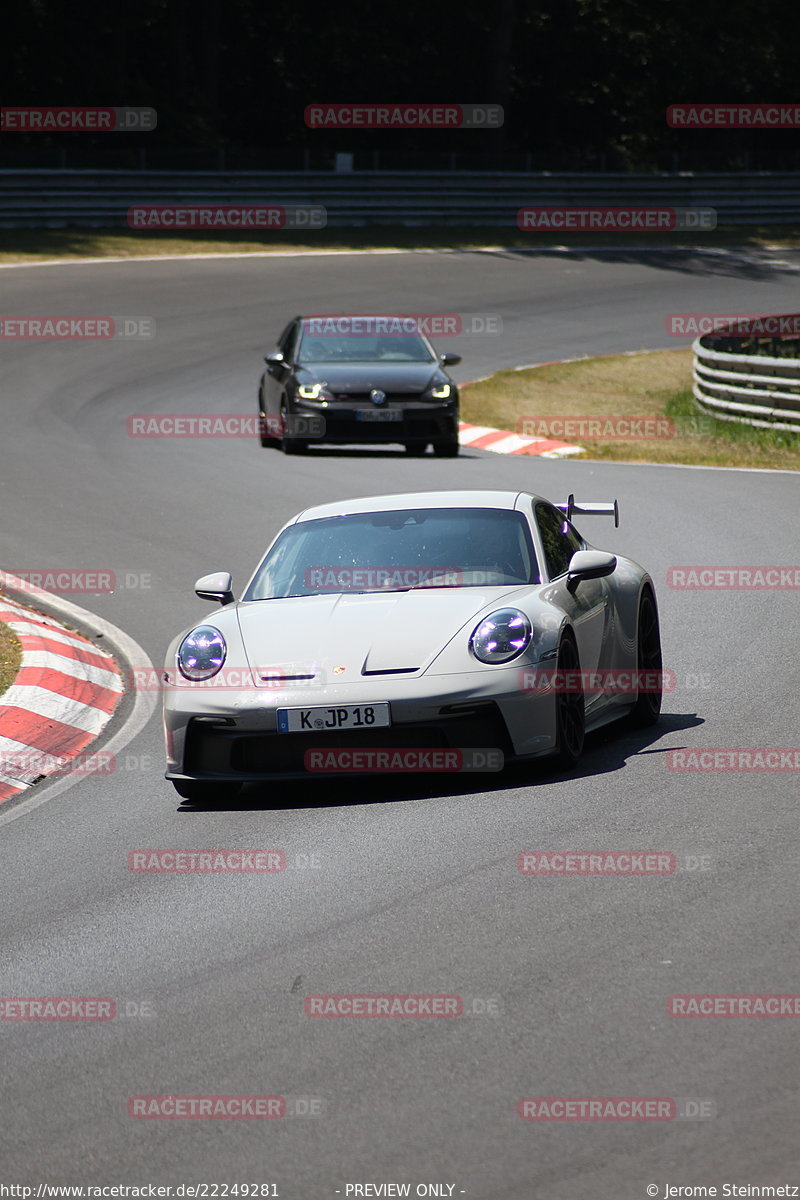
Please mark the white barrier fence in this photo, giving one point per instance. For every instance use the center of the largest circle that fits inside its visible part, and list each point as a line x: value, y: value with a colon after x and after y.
x: 753, y: 389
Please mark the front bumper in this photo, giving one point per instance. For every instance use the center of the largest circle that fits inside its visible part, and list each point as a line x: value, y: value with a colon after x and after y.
x: 214, y: 736
x: 419, y: 422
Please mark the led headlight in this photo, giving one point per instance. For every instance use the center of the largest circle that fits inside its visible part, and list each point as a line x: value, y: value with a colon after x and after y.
x: 501, y: 636
x: 310, y: 391
x: 201, y: 653
x: 441, y: 392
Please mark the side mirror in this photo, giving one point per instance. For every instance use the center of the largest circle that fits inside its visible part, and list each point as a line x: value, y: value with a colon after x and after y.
x: 272, y: 360
x: 589, y: 564
x: 449, y: 360
x: 216, y: 586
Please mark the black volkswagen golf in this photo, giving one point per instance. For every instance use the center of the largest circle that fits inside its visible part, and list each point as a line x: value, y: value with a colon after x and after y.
x: 358, y: 380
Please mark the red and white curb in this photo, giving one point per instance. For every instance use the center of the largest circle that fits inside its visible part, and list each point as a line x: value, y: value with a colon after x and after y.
x: 64, y: 695
x: 502, y: 441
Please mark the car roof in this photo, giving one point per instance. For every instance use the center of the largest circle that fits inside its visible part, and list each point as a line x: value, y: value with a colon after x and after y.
x: 455, y: 499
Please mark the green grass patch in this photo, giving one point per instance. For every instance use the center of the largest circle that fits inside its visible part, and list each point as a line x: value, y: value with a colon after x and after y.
x: 10, y: 657
x: 36, y: 245
x: 616, y: 389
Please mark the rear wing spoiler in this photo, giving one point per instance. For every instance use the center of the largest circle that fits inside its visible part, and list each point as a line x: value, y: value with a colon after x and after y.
x: 590, y: 508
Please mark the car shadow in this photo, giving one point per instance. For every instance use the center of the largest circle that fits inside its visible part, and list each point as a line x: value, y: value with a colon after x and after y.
x: 369, y: 452
x: 606, y: 750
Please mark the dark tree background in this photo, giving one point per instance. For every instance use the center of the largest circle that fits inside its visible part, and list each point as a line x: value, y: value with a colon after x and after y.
x: 585, y: 83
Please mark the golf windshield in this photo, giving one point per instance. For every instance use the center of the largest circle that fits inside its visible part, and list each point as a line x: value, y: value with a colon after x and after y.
x: 396, y: 551
x: 362, y: 339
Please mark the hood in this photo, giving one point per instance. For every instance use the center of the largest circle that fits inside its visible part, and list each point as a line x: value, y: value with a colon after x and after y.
x: 397, y: 378
x: 371, y: 633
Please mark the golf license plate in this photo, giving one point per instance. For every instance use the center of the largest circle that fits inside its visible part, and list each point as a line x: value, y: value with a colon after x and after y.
x: 379, y: 414
x: 345, y: 716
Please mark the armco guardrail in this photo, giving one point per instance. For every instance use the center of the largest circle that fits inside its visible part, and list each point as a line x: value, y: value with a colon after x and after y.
x: 40, y: 199
x: 750, y: 388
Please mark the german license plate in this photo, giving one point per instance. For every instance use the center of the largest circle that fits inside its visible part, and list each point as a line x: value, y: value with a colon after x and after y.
x: 379, y: 414
x: 323, y: 720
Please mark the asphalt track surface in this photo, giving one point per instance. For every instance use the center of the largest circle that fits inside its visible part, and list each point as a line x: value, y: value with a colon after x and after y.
x: 417, y: 888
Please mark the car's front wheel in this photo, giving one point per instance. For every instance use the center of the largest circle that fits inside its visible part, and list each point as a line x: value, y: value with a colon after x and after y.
x: 446, y: 447
x: 290, y: 445
x: 203, y: 792
x: 647, y: 708
x: 570, y: 705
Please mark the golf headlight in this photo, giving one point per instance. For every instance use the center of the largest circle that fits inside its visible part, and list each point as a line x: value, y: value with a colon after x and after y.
x: 501, y: 636
x: 201, y: 653
x: 441, y: 391
x: 310, y: 391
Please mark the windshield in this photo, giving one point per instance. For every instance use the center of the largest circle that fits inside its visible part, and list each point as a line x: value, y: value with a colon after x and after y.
x: 396, y: 551
x: 361, y: 339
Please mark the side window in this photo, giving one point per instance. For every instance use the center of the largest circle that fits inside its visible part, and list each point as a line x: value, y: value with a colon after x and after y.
x: 559, y: 538
x: 287, y: 342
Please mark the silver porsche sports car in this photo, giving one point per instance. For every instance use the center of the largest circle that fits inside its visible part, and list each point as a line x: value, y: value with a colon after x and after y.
x: 434, y: 631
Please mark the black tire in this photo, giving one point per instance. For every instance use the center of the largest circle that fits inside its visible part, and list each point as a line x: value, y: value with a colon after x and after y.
x: 290, y: 445
x: 446, y: 448
x: 570, y: 707
x: 203, y: 792
x: 415, y: 447
x: 647, y: 708
x: 263, y: 426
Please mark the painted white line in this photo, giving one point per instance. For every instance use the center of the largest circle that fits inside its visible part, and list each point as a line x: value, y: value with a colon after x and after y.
x: 23, y: 763
x: 13, y: 782
x: 29, y: 629
x: 55, y: 706
x: 150, y: 258
x: 758, y: 260
x: 71, y: 666
x: 473, y: 432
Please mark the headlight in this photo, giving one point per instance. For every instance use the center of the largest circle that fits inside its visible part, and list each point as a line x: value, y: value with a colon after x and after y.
x: 201, y: 653
x: 310, y: 391
x: 501, y: 636
x: 442, y: 392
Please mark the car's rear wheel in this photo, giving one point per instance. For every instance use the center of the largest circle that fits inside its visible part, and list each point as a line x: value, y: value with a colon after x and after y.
x: 263, y: 425
x: 203, y: 792
x: 570, y: 705
x: 446, y: 447
x: 647, y: 708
